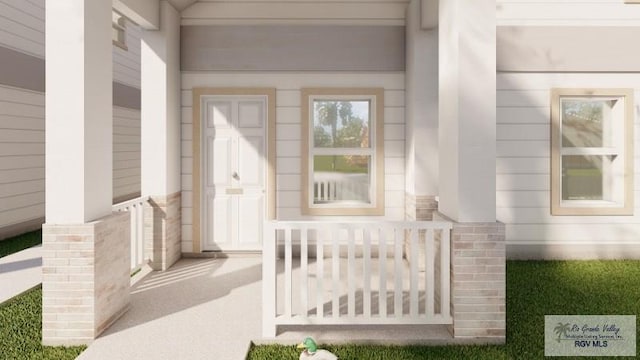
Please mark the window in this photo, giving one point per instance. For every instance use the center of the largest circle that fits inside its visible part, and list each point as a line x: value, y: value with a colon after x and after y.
x: 119, y: 30
x: 342, y: 151
x: 592, y: 152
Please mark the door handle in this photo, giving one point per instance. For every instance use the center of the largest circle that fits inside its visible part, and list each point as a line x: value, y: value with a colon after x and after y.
x: 235, y: 175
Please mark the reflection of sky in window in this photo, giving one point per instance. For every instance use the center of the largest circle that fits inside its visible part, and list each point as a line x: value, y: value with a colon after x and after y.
x: 359, y: 109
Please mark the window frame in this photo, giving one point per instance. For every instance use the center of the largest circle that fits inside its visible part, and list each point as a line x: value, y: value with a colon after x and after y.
x: 592, y: 207
x: 120, y: 25
x: 376, y: 96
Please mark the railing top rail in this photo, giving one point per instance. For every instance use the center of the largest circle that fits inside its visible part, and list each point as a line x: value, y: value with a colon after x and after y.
x: 360, y: 224
x: 126, y: 204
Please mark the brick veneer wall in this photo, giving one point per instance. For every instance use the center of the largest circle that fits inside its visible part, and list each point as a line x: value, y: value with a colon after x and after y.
x: 162, y: 230
x: 478, y: 280
x: 86, y: 278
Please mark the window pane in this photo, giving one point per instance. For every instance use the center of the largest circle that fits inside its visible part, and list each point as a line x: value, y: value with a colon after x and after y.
x: 583, y: 177
x: 587, y: 122
x: 341, y: 179
x: 341, y: 124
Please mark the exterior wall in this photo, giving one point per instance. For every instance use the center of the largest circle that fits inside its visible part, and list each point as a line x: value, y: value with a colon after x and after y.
x: 21, y: 117
x: 523, y: 173
x: 567, y: 13
x: 162, y: 218
x: 22, y: 114
x: 288, y: 132
x: 523, y: 120
x: 22, y: 26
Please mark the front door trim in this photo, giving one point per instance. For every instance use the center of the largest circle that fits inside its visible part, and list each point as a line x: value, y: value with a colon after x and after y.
x: 270, y: 194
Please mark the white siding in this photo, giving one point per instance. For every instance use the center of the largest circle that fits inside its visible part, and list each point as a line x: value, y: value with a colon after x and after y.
x: 567, y: 13
x: 21, y: 155
x: 22, y: 24
x: 523, y: 163
x: 358, y: 12
x: 126, y: 152
x: 126, y: 63
x: 288, y: 147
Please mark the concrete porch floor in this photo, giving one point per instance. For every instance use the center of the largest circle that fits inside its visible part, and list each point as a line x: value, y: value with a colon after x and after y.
x: 212, y: 309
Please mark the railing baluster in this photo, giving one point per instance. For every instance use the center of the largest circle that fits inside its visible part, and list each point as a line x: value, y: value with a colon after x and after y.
x: 319, y: 275
x: 287, y: 272
x: 366, y: 275
x: 430, y: 277
x: 413, y: 246
x: 335, y: 272
x: 397, y: 302
x: 351, y: 274
x: 269, y: 297
x: 304, y: 272
x: 445, y: 306
x: 382, y: 293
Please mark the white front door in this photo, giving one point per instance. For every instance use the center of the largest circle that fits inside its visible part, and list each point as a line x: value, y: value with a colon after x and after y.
x: 233, y: 172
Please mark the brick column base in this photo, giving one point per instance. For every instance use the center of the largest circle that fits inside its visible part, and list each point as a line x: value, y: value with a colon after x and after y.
x: 478, y: 280
x: 163, y: 230
x: 85, y: 278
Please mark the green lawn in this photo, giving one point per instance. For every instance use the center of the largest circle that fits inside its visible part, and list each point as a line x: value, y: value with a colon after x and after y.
x: 20, y: 242
x: 21, y: 330
x: 534, y: 289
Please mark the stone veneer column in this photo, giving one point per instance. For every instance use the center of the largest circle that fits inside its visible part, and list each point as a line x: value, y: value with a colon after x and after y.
x: 478, y: 280
x: 163, y: 230
x: 85, y: 278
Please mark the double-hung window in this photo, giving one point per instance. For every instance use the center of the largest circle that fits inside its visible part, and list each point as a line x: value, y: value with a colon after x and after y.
x: 342, y: 151
x: 592, y: 152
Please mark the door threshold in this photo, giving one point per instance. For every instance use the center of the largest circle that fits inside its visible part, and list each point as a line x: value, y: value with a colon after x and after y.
x: 219, y: 254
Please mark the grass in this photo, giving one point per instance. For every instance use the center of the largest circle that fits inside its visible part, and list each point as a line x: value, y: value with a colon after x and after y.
x: 21, y: 330
x: 20, y: 242
x: 534, y: 289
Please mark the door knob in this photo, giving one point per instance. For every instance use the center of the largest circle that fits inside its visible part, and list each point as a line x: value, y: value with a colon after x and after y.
x: 235, y: 175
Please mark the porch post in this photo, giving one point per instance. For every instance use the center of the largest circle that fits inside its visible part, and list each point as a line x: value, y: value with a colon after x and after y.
x: 467, y: 170
x: 160, y: 77
x: 86, y: 253
x: 421, y: 102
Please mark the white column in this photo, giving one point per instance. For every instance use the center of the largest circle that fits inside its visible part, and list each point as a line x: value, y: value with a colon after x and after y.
x: 160, y: 78
x: 467, y: 128
x: 421, y: 100
x: 161, y: 150
x: 79, y: 111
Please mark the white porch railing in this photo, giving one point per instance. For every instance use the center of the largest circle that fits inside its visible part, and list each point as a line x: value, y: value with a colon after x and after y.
x: 355, y: 273
x: 135, y: 207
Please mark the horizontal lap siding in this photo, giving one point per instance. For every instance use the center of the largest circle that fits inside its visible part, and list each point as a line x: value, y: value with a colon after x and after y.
x: 126, y: 63
x: 21, y: 155
x: 288, y: 122
x: 126, y: 152
x: 567, y: 12
x: 523, y: 162
x: 22, y: 26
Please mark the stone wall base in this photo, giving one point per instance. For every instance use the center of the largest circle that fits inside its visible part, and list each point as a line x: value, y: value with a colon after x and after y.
x: 163, y: 230
x: 85, y: 278
x: 478, y: 280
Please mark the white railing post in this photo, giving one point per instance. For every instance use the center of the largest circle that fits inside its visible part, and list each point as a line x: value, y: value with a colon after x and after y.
x: 135, y: 207
x: 269, y: 296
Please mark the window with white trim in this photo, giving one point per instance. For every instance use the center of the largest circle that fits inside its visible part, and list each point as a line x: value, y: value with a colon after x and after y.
x: 119, y: 32
x: 342, y: 151
x: 592, y: 152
